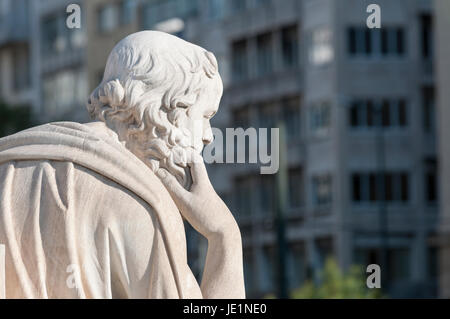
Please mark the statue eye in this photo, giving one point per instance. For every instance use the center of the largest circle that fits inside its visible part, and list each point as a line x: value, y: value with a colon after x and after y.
x: 182, y: 105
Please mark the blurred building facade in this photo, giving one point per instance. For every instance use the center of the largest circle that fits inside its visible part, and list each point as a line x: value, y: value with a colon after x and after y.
x: 15, y: 53
x: 107, y: 23
x: 59, y: 61
x: 358, y: 105
x: 43, y: 61
x: 442, y: 11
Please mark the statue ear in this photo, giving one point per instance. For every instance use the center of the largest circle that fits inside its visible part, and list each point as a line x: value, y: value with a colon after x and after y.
x: 112, y: 93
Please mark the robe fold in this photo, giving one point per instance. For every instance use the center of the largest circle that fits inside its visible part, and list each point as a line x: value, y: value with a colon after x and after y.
x: 83, y: 217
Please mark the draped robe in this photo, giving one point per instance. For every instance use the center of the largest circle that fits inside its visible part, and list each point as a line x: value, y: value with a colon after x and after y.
x: 82, y: 217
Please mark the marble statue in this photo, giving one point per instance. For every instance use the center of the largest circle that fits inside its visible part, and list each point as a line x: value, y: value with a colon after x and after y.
x: 96, y: 210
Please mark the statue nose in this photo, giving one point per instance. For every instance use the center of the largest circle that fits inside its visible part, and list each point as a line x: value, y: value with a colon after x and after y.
x: 208, y: 136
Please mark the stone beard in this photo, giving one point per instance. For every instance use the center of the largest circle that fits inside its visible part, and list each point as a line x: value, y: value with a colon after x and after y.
x: 161, y: 119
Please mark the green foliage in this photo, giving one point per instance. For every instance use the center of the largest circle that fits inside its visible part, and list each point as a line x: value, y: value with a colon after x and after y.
x: 14, y: 119
x: 337, y: 285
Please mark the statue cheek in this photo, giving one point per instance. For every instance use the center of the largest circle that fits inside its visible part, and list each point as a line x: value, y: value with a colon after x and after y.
x: 197, y: 128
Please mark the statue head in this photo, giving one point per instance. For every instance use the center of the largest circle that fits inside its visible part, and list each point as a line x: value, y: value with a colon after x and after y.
x: 158, y: 93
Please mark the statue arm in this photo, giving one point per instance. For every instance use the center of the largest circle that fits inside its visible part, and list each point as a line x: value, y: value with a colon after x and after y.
x: 223, y: 273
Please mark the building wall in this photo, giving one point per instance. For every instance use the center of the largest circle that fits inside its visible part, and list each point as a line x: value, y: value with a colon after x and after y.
x: 15, y: 56
x: 101, y: 42
x: 59, y: 62
x: 327, y: 75
x: 405, y: 149
x: 442, y: 12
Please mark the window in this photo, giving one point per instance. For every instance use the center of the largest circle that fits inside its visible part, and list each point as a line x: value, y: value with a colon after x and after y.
x: 264, y: 55
x: 77, y: 38
x: 267, y: 284
x: 321, y: 49
x: 367, y: 256
x: 373, y: 191
x: 428, y: 109
x: 151, y: 14
x: 399, y: 264
x: 108, y: 18
x: 404, y: 187
x: 249, y: 272
x: 185, y: 8
x: 322, y: 189
x: 267, y: 194
x: 243, y: 196
x: 324, y: 250
x: 366, y: 113
x: 357, y: 187
x: 400, y: 49
x: 373, y: 187
x: 392, y: 41
x: 426, y: 36
x: 357, y: 43
x: 402, y: 113
x: 367, y: 42
x: 398, y: 259
x: 431, y: 181
x: 297, y: 265
x: 433, y: 262
x: 50, y: 34
x: 237, y: 6
x: 384, y: 41
x: 385, y: 113
x: 354, y: 111
x: 241, y: 117
x: 64, y: 90
x: 169, y: 13
x: 320, y: 117
x: 352, y: 41
x: 21, y: 68
x: 5, y: 8
x: 216, y: 9
x: 239, y: 60
x: 289, y: 46
x: 296, y: 189
x: 291, y: 118
x: 127, y: 11
x: 268, y: 116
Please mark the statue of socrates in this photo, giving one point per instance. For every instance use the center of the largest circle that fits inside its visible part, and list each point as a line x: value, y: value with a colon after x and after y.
x: 96, y: 210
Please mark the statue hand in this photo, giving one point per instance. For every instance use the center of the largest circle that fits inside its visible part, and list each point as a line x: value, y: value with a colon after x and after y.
x: 201, y: 206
